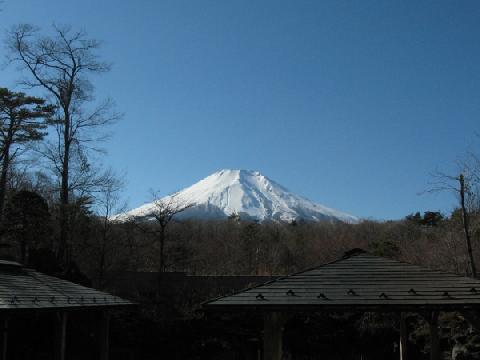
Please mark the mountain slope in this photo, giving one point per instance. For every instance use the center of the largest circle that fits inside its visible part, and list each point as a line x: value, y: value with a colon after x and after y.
x: 248, y: 194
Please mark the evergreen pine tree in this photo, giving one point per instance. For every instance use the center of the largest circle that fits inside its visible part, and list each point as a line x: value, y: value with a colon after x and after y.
x: 27, y: 222
x: 23, y: 119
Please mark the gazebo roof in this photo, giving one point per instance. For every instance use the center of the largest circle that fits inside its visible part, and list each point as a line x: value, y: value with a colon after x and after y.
x: 359, y: 281
x: 23, y: 288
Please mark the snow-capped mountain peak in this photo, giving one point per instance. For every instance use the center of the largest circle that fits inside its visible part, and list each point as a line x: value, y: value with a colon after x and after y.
x: 248, y: 194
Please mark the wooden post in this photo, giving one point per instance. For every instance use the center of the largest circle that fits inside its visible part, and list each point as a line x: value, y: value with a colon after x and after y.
x: 4, y: 338
x: 60, y: 335
x: 403, y: 336
x: 434, y: 338
x: 104, y: 335
x: 272, y: 335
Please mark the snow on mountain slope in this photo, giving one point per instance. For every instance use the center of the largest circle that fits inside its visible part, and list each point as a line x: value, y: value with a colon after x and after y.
x: 246, y: 193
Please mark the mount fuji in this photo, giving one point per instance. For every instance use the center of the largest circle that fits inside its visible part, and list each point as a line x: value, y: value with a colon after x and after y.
x: 249, y: 194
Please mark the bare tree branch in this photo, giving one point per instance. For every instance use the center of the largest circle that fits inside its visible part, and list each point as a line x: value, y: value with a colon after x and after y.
x: 61, y: 64
x: 163, y: 212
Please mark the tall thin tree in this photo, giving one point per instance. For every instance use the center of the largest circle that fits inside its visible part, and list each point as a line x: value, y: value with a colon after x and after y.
x: 463, y: 187
x: 464, y: 191
x: 61, y: 64
x: 108, y: 203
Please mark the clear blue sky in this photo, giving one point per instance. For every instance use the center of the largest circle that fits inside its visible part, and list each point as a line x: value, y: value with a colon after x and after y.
x: 349, y: 103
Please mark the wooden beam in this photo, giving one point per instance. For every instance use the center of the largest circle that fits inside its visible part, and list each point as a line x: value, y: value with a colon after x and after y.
x: 403, y: 336
x: 273, y: 335
x: 104, y: 335
x: 434, y: 338
x: 60, y: 335
x: 4, y: 338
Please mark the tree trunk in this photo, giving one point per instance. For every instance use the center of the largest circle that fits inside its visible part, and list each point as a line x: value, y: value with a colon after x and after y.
x: 466, y: 226
x: 5, y: 167
x: 101, y: 266
x: 64, y: 192
x: 3, y: 180
x: 161, y: 268
x: 161, y: 260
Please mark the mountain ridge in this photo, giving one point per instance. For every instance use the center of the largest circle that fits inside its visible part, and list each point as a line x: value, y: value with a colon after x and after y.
x: 247, y: 193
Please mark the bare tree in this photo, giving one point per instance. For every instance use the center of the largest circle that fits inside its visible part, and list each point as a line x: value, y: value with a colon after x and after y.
x: 162, y: 212
x: 61, y: 65
x: 463, y: 185
x: 107, y: 204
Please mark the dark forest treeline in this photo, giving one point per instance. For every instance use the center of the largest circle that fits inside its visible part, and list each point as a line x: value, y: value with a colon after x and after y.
x: 102, y: 247
x: 271, y: 248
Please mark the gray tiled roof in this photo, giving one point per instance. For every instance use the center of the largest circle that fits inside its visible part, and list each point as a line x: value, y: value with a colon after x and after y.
x: 22, y: 288
x: 360, y: 281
